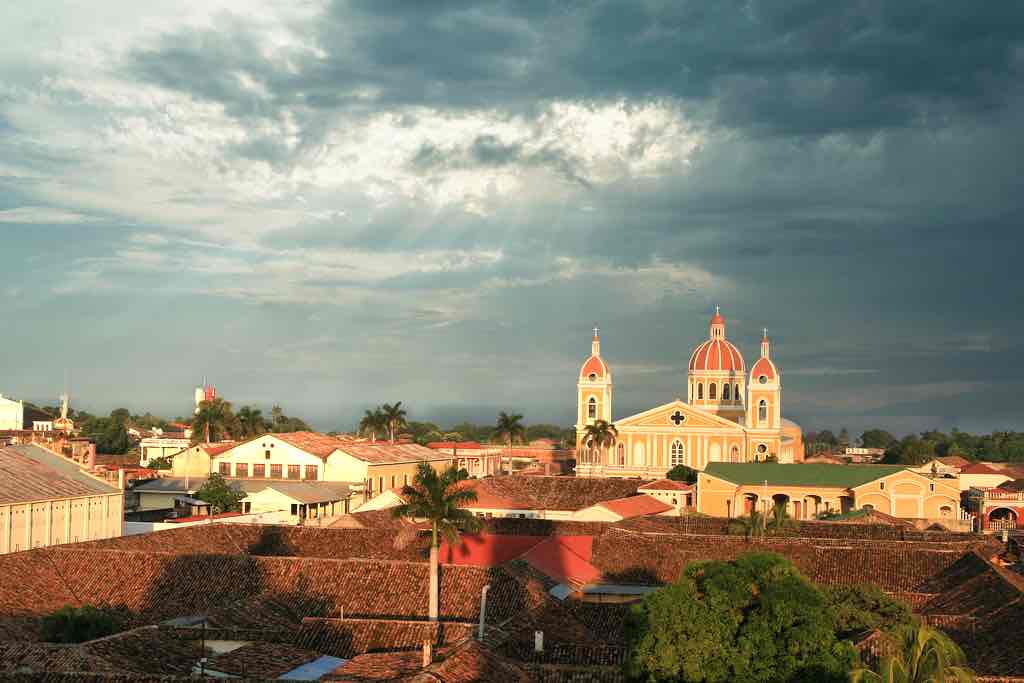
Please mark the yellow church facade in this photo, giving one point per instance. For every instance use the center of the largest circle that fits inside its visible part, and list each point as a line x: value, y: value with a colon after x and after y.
x: 730, y: 415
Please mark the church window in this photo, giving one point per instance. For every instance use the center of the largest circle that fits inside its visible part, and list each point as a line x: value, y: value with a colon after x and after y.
x: 700, y: 391
x: 762, y: 411
x: 725, y: 392
x: 622, y: 454
x: 736, y: 389
x: 592, y: 407
x: 593, y: 377
x: 676, y: 453
x: 712, y: 391
x: 868, y: 508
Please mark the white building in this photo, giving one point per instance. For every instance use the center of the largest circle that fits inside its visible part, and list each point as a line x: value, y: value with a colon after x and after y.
x: 12, y: 415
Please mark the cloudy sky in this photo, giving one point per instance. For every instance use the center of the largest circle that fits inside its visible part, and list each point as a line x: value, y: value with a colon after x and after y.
x: 334, y: 204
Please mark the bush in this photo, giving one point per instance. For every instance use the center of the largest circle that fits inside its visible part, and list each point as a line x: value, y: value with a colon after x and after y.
x: 866, y: 607
x: 682, y: 473
x: 79, y: 624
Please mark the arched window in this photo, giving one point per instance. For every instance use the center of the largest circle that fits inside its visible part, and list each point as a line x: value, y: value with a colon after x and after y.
x: 712, y: 391
x: 700, y: 391
x: 622, y: 454
x: 592, y: 408
x: 762, y: 411
x: 676, y: 453
x: 725, y: 392
x: 734, y: 455
x: 737, y: 393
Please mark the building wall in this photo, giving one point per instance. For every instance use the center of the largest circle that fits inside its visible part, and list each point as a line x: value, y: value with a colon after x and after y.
x: 45, y: 523
x: 156, y: 501
x: 268, y: 450
x: 12, y: 414
x: 982, y: 481
x: 160, y: 448
x: 194, y: 462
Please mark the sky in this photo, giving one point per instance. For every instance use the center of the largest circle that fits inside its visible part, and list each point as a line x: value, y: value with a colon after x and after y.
x: 329, y: 205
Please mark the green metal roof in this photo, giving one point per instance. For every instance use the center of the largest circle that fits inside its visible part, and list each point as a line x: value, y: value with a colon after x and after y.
x: 811, y: 474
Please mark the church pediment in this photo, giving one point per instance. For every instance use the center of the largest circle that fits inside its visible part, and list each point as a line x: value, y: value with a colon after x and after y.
x: 676, y: 414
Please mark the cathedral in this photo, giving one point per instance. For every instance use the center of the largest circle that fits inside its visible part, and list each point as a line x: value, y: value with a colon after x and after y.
x: 729, y: 415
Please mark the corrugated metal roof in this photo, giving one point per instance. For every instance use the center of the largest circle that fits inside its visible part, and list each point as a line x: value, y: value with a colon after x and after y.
x: 31, y: 473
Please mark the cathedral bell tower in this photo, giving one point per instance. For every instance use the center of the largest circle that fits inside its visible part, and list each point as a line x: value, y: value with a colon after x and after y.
x: 593, y: 389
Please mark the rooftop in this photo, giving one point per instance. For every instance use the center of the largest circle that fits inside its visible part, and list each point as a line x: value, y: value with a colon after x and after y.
x: 814, y: 474
x: 30, y: 473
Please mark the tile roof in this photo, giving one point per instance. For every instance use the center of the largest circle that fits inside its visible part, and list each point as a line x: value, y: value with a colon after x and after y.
x: 566, y: 559
x: 776, y: 474
x: 314, y: 443
x: 388, y: 453
x: 347, y: 638
x: 636, y: 506
x: 980, y: 468
x: 458, y: 445
x: 554, y: 493
x: 29, y: 473
x: 262, y: 660
x: 954, y: 460
x: 665, y: 485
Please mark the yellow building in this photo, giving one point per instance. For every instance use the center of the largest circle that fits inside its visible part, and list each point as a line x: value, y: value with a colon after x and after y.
x: 730, y: 415
x: 806, y: 490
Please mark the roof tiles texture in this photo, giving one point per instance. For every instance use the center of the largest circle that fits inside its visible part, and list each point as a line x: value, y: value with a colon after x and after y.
x: 636, y: 506
x: 28, y: 473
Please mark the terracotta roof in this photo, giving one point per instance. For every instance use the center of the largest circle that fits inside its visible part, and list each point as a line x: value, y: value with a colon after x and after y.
x: 954, y: 461
x: 262, y: 660
x: 979, y: 468
x: 347, y: 638
x: 564, y: 559
x: 555, y: 493
x: 716, y: 354
x: 30, y: 473
x: 314, y: 443
x: 387, y: 453
x: 459, y: 445
x: 764, y: 366
x: 213, y: 449
x: 665, y: 485
x: 636, y: 506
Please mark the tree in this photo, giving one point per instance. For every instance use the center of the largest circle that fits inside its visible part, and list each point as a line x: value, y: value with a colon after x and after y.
x: 752, y: 526
x: 439, y: 499
x: 251, y: 420
x: 213, y: 421
x: 683, y: 473
x: 929, y: 656
x: 221, y: 496
x: 161, y: 463
x: 866, y: 607
x: 601, y: 434
x: 508, y: 428
x: 373, y: 421
x: 844, y: 438
x: 779, y: 522
x: 79, y: 624
x: 395, y: 416
x: 752, y: 619
x: 876, y: 438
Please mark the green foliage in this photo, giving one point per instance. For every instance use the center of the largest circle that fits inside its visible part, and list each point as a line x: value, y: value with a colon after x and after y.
x: 251, y: 421
x: 162, y: 463
x: 601, y: 433
x: 439, y: 499
x: 683, y: 473
x: 544, y: 431
x: 283, y: 424
x: 866, y: 607
x: 79, y: 624
x: 877, y: 438
x: 111, y: 434
x: 928, y: 656
x: 394, y: 415
x: 752, y: 526
x: 374, y: 422
x: 214, y: 422
x: 509, y: 427
x: 753, y: 619
x: 221, y: 496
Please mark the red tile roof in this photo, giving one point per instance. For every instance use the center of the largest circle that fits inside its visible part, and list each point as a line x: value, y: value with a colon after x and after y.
x: 387, y: 453
x: 314, y: 443
x: 665, y: 485
x: 487, y: 550
x: 458, y: 445
x: 636, y: 506
x: 979, y: 468
x: 565, y: 559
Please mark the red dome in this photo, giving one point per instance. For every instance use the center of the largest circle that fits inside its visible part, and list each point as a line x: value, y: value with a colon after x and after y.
x: 764, y: 366
x: 716, y: 354
x: 594, y: 366
x: 717, y: 318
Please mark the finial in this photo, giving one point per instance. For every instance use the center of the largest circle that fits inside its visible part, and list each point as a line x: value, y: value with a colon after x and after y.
x: 717, y: 310
x: 596, y: 330
x: 766, y: 333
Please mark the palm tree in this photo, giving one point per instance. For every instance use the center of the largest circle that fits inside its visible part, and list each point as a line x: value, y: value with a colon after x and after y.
x: 213, y: 419
x: 601, y: 433
x: 373, y: 421
x: 509, y: 427
x: 439, y: 499
x: 395, y: 417
x: 779, y: 520
x: 252, y: 421
x: 929, y: 657
x: 752, y: 526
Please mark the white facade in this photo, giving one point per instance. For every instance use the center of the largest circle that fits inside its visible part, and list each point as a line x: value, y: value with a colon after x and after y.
x: 12, y: 414
x: 157, y: 447
x: 274, y: 454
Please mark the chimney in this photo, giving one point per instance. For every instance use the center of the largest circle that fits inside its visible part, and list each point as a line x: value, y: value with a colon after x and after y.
x: 538, y: 641
x: 428, y: 653
x: 120, y: 478
x: 90, y: 457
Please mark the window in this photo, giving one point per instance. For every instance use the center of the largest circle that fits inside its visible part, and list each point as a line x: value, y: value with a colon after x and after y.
x: 700, y: 391
x: 225, y: 469
x: 725, y: 393
x: 266, y: 455
x: 736, y: 393
x: 945, y: 511
x: 712, y: 391
x: 311, y: 472
x: 763, y: 379
x: 380, y: 481
x: 593, y: 377
x: 592, y: 407
x: 369, y: 486
x: 762, y: 411
x: 405, y: 480
x: 676, y: 453
x: 275, y: 471
x: 762, y: 448
x: 295, y: 509
x: 931, y: 487
x: 259, y: 470
x: 881, y: 486
x: 241, y: 469
x: 867, y: 508
x: 293, y: 471
x: 622, y: 454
